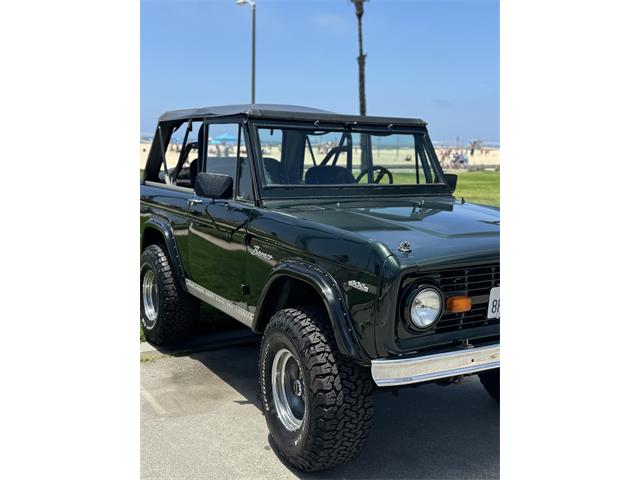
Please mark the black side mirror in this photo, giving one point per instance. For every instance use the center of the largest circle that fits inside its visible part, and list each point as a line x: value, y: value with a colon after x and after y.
x: 452, y: 181
x: 213, y: 185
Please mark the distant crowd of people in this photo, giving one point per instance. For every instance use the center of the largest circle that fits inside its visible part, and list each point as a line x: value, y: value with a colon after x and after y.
x: 450, y: 157
x: 221, y: 149
x: 459, y: 157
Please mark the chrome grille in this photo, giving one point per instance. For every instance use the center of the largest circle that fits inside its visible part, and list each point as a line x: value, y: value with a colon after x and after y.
x: 475, y: 282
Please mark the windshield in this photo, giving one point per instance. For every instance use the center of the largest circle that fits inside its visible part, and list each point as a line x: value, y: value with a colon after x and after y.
x: 317, y: 157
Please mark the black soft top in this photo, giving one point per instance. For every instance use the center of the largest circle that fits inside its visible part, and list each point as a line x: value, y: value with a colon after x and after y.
x: 282, y: 112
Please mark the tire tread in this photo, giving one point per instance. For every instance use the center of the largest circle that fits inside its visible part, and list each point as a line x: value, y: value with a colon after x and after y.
x: 340, y: 391
x: 178, y: 309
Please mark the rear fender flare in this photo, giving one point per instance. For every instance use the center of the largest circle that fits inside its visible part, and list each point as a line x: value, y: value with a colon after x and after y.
x: 164, y: 227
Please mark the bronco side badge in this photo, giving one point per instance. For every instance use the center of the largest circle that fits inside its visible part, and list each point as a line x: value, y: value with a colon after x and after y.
x: 259, y: 253
x: 405, y: 247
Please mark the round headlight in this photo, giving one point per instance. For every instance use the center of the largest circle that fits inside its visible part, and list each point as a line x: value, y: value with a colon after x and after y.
x: 425, y: 307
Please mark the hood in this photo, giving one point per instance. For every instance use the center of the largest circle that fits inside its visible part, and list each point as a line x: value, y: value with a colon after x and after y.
x: 439, y: 230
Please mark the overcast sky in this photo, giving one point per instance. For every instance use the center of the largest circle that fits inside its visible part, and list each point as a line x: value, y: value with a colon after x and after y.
x: 437, y: 60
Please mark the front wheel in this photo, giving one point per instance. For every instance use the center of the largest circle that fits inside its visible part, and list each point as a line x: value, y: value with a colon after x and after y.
x: 317, y: 403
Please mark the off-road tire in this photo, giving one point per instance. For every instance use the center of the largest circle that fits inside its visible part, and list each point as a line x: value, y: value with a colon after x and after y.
x: 337, y: 392
x: 177, y: 310
x: 491, y: 382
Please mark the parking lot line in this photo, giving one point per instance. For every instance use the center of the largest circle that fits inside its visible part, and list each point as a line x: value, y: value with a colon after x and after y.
x: 152, y: 401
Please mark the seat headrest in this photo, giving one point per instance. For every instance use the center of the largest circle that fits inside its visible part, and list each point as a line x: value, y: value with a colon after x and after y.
x: 329, y: 175
x: 274, y: 171
x: 193, y: 171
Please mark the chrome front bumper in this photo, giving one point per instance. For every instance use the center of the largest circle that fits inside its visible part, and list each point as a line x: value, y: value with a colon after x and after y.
x: 403, y: 371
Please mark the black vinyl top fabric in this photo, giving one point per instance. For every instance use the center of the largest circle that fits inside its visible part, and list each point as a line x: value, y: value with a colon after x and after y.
x: 282, y: 112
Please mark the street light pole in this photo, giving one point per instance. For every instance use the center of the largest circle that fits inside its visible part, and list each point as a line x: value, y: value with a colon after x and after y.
x: 253, y: 53
x: 253, y: 46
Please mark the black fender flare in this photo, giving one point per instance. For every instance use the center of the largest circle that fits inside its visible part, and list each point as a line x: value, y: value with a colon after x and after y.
x: 334, y: 302
x: 164, y: 227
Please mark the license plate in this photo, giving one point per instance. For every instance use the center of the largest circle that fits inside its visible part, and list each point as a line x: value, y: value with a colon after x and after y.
x: 494, y: 303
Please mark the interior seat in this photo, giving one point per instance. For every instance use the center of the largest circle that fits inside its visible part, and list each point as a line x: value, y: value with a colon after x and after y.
x: 329, y: 175
x: 193, y: 171
x: 222, y: 165
x: 274, y: 171
x: 193, y: 166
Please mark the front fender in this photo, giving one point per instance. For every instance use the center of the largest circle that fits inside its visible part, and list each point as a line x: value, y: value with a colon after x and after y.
x: 326, y: 286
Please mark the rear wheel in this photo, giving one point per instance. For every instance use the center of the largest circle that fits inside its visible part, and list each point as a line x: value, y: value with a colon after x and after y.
x: 491, y: 381
x: 167, y: 312
x: 317, y: 403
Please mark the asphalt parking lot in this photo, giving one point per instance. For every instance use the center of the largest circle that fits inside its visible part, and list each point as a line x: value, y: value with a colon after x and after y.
x: 200, y: 418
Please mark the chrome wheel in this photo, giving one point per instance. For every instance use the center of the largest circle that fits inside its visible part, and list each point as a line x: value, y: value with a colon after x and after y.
x: 150, y: 299
x: 288, y: 390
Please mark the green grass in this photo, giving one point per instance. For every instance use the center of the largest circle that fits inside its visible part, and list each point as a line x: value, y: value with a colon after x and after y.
x: 479, y: 187
x: 147, y: 358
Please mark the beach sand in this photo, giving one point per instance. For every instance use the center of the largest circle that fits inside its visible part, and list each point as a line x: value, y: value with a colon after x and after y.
x: 394, y: 159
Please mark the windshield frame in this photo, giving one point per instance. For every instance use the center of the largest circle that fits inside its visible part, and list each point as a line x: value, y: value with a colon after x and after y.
x: 340, y: 191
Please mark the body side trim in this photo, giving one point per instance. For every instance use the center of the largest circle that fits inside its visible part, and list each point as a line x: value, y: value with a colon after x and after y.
x: 226, y: 306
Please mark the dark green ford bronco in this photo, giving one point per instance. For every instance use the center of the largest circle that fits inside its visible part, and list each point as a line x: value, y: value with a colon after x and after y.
x: 337, y: 238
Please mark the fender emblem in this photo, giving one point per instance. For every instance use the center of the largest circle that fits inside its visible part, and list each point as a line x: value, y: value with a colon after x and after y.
x: 358, y: 285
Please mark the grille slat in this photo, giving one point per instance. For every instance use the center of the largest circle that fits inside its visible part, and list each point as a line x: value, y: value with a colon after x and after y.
x: 471, y: 281
x: 462, y: 280
x: 458, y: 273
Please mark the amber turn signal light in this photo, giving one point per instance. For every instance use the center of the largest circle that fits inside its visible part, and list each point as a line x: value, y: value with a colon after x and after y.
x: 458, y: 304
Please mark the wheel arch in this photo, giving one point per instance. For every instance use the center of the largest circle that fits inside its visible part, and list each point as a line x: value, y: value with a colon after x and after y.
x: 294, y: 283
x: 157, y: 231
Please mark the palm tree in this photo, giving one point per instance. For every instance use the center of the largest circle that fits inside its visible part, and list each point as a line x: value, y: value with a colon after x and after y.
x: 359, y: 12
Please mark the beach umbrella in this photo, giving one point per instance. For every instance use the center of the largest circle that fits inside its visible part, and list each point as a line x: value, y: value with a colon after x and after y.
x: 226, y: 137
